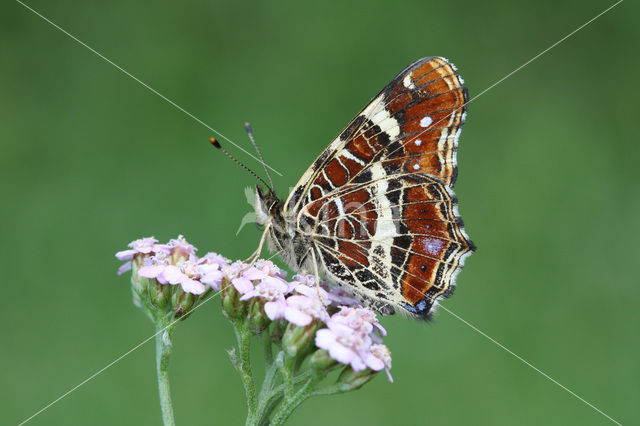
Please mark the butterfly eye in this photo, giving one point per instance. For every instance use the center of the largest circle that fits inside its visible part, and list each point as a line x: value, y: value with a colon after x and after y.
x: 423, y: 268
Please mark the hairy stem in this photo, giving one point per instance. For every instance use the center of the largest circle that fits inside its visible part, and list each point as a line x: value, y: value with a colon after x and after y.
x: 266, y: 345
x: 163, y: 353
x: 289, y: 404
x: 267, y: 399
x: 243, y: 366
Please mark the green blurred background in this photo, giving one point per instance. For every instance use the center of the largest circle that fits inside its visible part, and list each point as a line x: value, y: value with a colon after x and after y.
x: 91, y: 160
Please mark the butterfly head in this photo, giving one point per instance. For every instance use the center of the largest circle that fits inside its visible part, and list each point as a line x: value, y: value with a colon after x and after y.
x: 268, y: 207
x: 269, y: 214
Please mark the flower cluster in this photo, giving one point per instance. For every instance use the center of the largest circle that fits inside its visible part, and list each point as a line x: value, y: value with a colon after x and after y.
x: 170, y: 278
x: 141, y: 247
x: 350, y: 333
x: 312, y: 315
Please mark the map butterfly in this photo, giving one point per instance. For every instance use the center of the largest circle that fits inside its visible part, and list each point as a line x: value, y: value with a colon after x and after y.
x: 376, y: 212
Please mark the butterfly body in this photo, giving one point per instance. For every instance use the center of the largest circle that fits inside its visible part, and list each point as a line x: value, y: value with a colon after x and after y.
x: 376, y: 211
x: 283, y: 236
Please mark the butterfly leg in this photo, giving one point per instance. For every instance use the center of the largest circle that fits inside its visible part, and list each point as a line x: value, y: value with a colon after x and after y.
x: 315, y: 269
x: 256, y: 254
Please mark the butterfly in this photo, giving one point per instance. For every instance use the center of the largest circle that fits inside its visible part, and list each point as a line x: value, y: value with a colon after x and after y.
x: 376, y: 212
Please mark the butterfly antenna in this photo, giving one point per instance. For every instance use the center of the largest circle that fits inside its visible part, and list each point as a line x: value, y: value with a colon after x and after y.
x: 215, y: 143
x: 247, y: 127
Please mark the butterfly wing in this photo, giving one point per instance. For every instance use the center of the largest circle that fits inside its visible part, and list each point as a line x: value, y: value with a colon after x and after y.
x: 412, y: 125
x: 396, y: 241
x: 377, y: 204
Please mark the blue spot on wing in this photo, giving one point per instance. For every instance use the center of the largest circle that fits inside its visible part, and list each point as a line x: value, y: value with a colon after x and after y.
x: 410, y: 308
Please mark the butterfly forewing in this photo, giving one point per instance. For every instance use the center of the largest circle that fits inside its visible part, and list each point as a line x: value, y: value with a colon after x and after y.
x: 413, y: 124
x: 377, y: 204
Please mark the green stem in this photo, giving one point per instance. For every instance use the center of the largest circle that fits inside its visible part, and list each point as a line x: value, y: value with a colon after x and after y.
x: 291, y: 403
x: 163, y: 353
x: 286, y: 364
x: 266, y: 344
x: 330, y: 390
x: 267, y: 399
x: 243, y: 366
x: 270, y: 395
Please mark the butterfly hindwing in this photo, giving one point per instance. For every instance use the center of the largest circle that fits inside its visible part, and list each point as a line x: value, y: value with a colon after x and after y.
x: 395, y: 241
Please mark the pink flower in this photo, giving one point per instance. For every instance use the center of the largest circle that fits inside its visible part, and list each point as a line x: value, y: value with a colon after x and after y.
x: 214, y: 258
x: 306, y: 285
x: 210, y: 269
x: 269, y: 268
x: 301, y: 310
x: 273, y: 290
x: 345, y: 345
x: 383, y: 354
x: 235, y: 273
x: 185, y: 274
x: 349, y: 339
x: 211, y: 275
x: 341, y: 297
x: 243, y: 277
x: 181, y: 248
x: 253, y: 274
x: 269, y: 288
x: 143, y: 246
x: 362, y: 320
x: 262, y: 269
x: 154, y: 267
x: 326, y: 293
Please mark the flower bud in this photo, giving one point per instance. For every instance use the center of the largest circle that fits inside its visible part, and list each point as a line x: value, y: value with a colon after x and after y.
x: 159, y: 295
x: 232, y: 307
x: 183, y: 302
x: 166, y: 277
x: 297, y: 340
x: 279, y: 327
x: 137, y: 301
x: 351, y: 380
x: 257, y: 320
x: 138, y: 283
x: 321, y: 360
x: 181, y: 250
